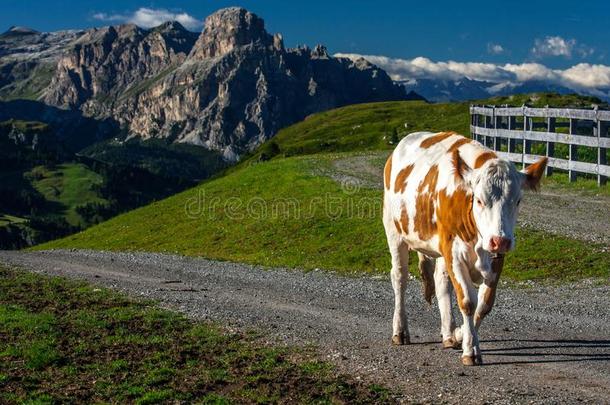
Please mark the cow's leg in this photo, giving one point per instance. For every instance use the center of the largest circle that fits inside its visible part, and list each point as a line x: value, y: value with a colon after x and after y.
x: 426, y: 271
x: 443, y: 290
x: 467, y: 301
x: 399, y: 275
x: 487, y: 291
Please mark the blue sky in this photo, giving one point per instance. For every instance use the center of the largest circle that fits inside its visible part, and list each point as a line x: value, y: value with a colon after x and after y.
x: 439, y: 30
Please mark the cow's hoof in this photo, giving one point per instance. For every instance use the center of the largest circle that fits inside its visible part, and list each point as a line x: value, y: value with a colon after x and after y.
x: 401, y: 339
x: 472, y: 360
x: 457, y: 335
x: 451, y: 343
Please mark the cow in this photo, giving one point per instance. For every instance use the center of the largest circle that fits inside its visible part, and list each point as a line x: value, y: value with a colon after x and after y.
x: 454, y: 202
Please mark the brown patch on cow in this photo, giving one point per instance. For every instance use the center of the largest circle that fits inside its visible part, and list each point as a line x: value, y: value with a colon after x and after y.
x: 454, y: 217
x: 387, y: 172
x: 397, y: 225
x: 400, y: 184
x: 433, y: 140
x: 497, y: 263
x: 424, y: 210
x: 429, y: 181
x: 446, y: 247
x: 454, y: 214
x: 425, y: 205
x: 489, y: 297
x: 462, y: 141
x: 404, y: 219
x: 484, y: 157
x: 459, y: 166
x: 533, y: 174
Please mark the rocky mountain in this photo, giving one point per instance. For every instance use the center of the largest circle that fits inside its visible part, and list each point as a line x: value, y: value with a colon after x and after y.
x: 227, y: 89
x: 105, y: 63
x: 28, y: 59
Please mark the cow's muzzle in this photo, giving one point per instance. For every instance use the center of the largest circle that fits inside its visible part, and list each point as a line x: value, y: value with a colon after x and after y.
x: 499, y: 244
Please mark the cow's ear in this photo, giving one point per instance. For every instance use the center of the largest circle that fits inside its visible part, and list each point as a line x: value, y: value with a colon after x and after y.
x: 533, y: 173
x: 461, y: 170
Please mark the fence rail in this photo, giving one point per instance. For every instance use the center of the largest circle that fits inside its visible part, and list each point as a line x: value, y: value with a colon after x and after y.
x: 518, y: 127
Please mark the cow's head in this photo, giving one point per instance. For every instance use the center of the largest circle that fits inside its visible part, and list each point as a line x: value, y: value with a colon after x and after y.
x: 497, y: 188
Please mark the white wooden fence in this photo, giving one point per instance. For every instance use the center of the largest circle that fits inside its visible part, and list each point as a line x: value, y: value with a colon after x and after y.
x: 499, y: 126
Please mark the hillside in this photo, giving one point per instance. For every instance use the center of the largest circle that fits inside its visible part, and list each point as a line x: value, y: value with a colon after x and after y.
x: 48, y: 191
x: 288, y: 212
x: 378, y: 126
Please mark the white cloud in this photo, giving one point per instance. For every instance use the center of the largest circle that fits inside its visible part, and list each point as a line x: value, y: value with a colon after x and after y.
x: 495, y: 49
x: 553, y: 46
x: 583, y: 76
x: 110, y: 17
x: 423, y: 68
x: 150, y: 17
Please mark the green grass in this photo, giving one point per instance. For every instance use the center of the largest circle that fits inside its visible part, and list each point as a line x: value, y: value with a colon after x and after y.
x: 371, y: 126
x: 378, y: 126
x: 545, y: 99
x: 279, y: 213
x: 586, y: 186
x: 70, y: 185
x: 64, y: 341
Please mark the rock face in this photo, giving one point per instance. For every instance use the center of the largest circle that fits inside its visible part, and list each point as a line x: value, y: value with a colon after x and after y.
x: 28, y: 59
x: 104, y: 63
x: 229, y: 89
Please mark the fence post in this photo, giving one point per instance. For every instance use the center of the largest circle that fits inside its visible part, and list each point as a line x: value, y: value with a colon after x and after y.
x: 573, y: 156
x: 512, y: 124
x: 525, y: 119
x: 495, y: 124
x: 550, y: 146
x: 487, y: 126
x: 602, y: 130
x: 475, y: 135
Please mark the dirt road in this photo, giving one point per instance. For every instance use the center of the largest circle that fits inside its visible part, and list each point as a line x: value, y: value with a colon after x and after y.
x: 540, y: 344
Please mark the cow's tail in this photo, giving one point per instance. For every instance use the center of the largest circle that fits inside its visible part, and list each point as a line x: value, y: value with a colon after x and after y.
x: 426, y: 270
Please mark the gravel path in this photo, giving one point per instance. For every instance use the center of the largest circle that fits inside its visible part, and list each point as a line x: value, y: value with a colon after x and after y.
x: 540, y: 344
x: 555, y: 210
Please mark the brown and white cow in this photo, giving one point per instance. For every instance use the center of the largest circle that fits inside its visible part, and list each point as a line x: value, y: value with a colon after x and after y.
x: 455, y: 202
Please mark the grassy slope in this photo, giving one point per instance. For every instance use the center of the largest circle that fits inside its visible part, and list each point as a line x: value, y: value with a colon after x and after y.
x: 31, y: 86
x: 367, y: 126
x: 371, y: 126
x: 279, y: 213
x: 69, y: 185
x: 64, y: 341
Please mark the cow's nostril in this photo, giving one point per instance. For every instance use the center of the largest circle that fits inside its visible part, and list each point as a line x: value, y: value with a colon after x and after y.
x: 499, y: 244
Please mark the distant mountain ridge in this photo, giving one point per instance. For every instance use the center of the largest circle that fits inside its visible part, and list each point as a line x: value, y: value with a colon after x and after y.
x: 228, y: 89
x: 464, y: 89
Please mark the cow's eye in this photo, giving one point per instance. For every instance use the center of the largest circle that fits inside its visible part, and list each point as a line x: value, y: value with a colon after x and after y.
x: 479, y: 203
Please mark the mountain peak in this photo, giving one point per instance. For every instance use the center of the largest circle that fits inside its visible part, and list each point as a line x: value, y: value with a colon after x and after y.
x: 17, y: 30
x: 170, y: 26
x: 230, y: 28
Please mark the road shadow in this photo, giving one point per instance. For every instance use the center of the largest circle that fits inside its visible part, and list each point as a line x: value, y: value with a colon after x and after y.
x: 540, y: 351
